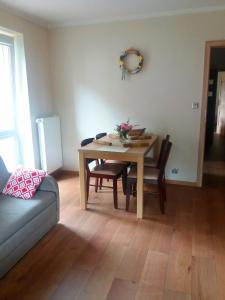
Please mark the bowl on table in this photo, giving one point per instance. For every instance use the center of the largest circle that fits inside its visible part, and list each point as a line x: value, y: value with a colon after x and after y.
x: 136, y: 132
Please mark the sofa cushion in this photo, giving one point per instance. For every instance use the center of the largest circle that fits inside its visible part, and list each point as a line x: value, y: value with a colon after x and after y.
x: 4, y: 174
x: 26, y: 233
x: 23, y: 183
x: 16, y: 212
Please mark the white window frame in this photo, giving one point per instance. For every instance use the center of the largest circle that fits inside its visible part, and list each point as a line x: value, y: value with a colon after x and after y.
x: 23, y: 128
x: 9, y: 41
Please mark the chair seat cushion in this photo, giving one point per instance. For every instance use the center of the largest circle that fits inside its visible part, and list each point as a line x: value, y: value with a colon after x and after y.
x: 150, y: 174
x: 150, y: 162
x: 120, y: 162
x: 108, y: 169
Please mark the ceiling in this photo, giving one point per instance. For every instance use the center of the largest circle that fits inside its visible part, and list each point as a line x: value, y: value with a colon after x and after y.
x: 54, y: 13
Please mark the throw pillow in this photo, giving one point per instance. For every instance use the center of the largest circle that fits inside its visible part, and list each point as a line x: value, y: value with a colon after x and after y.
x: 23, y: 183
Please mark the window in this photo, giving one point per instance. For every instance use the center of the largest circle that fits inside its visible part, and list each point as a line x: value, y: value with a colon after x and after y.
x: 9, y: 149
x: 15, y: 127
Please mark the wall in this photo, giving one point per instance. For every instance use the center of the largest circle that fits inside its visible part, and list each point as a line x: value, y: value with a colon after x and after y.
x: 36, y: 45
x: 90, y: 96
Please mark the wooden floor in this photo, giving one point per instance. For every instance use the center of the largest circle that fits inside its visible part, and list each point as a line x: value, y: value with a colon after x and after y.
x: 104, y: 253
x: 216, y: 151
x: 213, y: 167
x: 214, y: 160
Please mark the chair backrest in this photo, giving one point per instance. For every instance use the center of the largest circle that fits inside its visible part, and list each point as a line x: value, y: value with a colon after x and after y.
x: 162, y: 149
x: 164, y: 160
x: 100, y: 135
x: 85, y: 142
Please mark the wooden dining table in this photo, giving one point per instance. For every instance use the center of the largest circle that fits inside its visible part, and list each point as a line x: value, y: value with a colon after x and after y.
x: 116, y: 151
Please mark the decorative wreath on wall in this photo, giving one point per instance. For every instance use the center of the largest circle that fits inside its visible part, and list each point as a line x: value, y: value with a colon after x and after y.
x: 122, y: 62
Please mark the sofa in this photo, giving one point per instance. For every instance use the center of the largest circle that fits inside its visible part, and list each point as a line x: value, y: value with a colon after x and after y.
x: 23, y: 222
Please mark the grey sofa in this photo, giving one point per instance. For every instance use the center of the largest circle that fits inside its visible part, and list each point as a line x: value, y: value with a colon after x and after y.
x: 24, y: 222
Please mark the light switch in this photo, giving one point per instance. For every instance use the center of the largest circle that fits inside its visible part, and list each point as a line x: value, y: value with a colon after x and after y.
x: 195, y: 105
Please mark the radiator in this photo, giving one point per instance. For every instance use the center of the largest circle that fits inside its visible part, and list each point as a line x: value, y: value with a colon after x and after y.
x: 50, y: 143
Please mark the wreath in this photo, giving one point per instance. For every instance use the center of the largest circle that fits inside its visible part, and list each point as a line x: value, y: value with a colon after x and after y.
x: 123, y: 66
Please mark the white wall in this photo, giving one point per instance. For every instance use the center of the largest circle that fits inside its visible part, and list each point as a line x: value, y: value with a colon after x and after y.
x: 36, y: 45
x: 90, y: 96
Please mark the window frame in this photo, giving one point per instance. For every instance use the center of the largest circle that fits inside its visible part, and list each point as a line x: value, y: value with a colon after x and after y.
x: 4, y: 134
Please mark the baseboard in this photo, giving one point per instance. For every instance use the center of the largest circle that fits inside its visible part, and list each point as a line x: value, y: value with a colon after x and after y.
x: 168, y: 181
x: 68, y: 173
x: 184, y: 183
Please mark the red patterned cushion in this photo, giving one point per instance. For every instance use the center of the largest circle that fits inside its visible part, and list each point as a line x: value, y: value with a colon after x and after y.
x: 23, y: 183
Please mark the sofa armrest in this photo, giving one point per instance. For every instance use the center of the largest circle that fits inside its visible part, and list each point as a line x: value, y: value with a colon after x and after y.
x: 49, y: 184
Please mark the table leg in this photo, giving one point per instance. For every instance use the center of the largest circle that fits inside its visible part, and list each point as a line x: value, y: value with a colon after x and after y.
x: 140, y: 188
x: 83, y: 191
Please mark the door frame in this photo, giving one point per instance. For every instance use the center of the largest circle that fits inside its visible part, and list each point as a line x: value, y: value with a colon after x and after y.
x: 208, y: 46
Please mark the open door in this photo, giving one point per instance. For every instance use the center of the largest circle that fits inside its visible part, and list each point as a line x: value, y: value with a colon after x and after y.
x: 221, y: 104
x: 219, y: 113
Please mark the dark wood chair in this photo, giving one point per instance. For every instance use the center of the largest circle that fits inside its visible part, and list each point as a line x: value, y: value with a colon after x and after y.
x: 103, y: 171
x: 90, y: 160
x: 124, y: 163
x: 99, y: 136
x: 150, y: 162
x: 152, y: 176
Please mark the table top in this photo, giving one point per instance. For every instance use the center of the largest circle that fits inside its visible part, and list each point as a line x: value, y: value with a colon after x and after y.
x: 117, y: 146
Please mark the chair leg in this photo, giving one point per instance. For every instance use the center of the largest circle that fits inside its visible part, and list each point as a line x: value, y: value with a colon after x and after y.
x: 100, y: 184
x: 161, y: 200
x: 164, y: 189
x: 124, y: 181
x: 129, y: 191
x: 134, y: 191
x: 115, y: 193
x: 87, y: 186
x: 96, y: 185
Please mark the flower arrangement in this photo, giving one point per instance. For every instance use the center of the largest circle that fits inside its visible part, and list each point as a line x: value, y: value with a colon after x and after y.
x: 123, y: 129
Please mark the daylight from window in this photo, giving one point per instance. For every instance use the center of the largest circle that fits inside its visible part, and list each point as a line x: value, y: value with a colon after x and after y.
x: 15, y: 127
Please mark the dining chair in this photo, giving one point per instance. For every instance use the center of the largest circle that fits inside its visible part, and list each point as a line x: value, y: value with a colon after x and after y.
x: 153, y: 163
x: 99, y: 136
x: 90, y: 160
x: 102, y: 171
x: 109, y: 161
x: 152, y: 176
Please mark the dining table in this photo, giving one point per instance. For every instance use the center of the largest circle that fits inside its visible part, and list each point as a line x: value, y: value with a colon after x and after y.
x: 111, y: 148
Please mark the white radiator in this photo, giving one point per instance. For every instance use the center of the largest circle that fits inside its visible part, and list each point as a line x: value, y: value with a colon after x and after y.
x: 50, y: 143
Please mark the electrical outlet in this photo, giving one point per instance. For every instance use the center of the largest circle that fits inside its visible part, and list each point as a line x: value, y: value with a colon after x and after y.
x: 174, y: 171
x: 195, y: 105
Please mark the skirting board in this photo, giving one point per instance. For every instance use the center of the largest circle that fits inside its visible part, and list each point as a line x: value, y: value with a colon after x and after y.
x: 169, y: 181
x: 184, y: 183
x: 68, y: 173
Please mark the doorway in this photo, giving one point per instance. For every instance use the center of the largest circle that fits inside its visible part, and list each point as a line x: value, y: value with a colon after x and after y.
x: 212, y: 133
